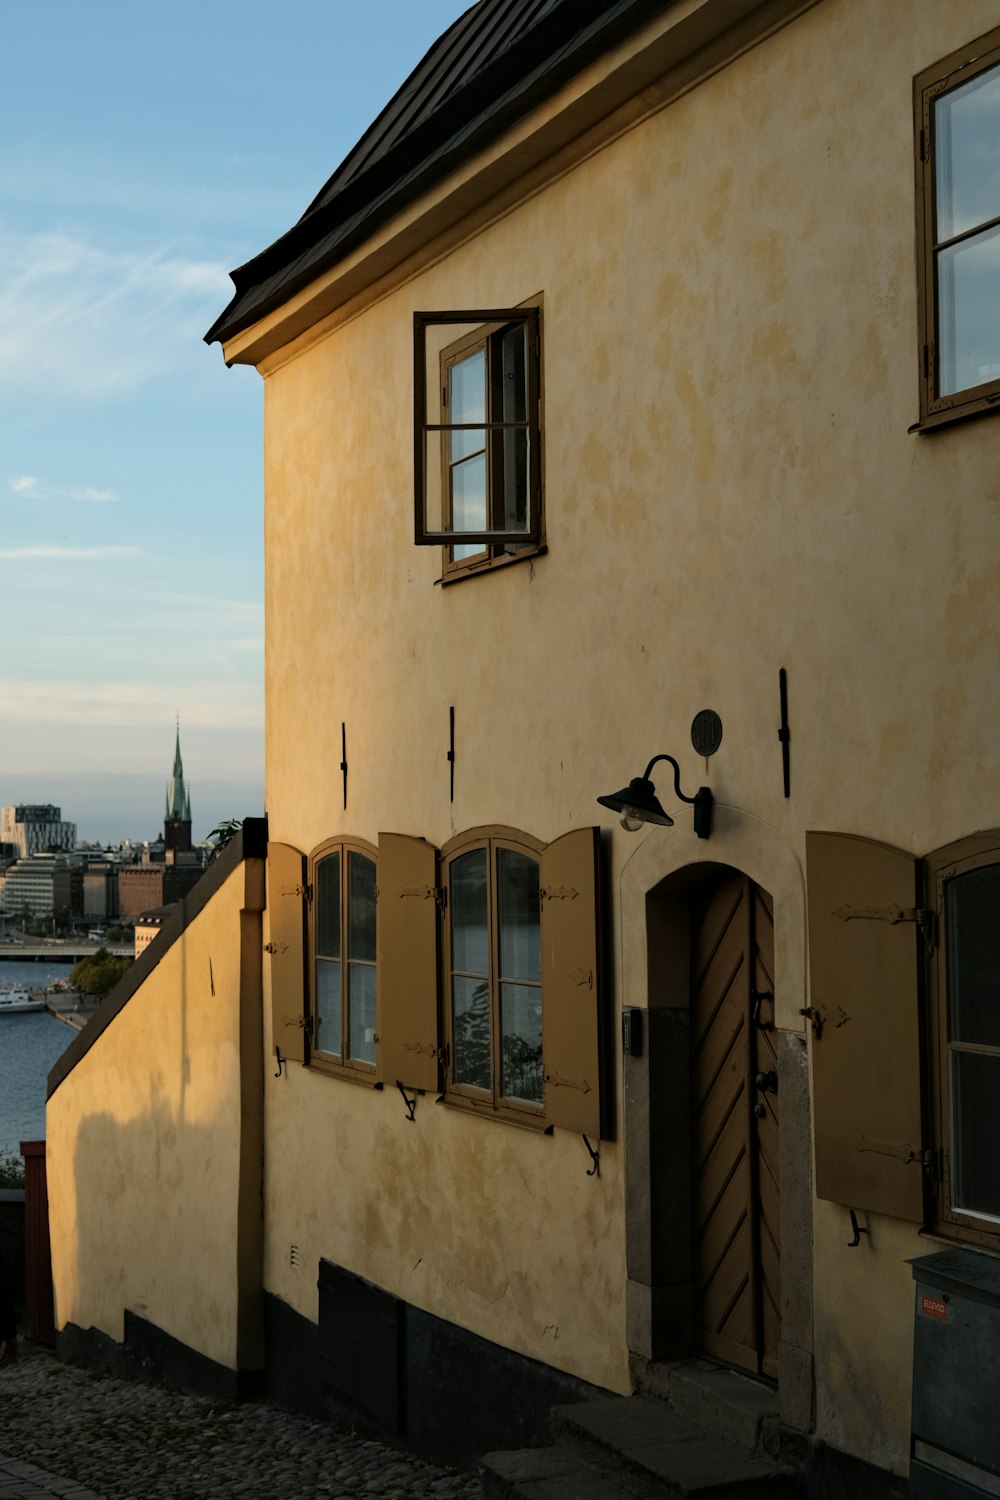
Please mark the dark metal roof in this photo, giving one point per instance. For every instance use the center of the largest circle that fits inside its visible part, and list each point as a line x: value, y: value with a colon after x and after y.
x: 494, y: 64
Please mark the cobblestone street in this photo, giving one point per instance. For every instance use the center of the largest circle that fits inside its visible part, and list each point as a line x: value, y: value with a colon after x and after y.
x: 82, y: 1436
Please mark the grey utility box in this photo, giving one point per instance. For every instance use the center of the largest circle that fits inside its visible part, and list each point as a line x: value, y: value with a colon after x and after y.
x: 955, y: 1449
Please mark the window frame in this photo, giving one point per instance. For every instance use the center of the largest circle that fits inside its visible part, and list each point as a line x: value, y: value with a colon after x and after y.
x: 498, y: 545
x: 959, y: 68
x: 342, y: 1066
x: 978, y: 852
x: 492, y: 1103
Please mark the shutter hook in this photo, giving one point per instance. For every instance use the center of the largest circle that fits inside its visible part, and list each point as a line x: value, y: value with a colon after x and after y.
x: 595, y: 1156
x: 411, y: 1104
x: 858, y: 1232
x: 282, y: 1062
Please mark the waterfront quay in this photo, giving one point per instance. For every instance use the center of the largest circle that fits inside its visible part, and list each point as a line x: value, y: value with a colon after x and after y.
x: 83, y: 1436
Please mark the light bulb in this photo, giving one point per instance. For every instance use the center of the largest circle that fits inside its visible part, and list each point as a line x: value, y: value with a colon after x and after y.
x: 632, y: 820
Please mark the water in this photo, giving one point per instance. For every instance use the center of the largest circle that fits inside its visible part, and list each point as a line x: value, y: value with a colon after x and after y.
x: 29, y: 1045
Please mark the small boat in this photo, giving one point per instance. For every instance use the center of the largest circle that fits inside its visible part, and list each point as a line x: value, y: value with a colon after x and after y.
x: 14, y: 1001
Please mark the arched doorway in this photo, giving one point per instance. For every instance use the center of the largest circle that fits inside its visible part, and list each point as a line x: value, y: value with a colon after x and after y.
x: 736, y: 1237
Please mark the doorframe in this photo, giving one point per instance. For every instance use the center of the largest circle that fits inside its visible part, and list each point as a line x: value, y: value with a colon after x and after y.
x: 655, y: 890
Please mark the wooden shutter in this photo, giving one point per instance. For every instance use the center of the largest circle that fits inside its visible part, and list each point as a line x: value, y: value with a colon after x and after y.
x: 408, y: 922
x: 286, y: 906
x: 571, y: 1018
x: 865, y: 948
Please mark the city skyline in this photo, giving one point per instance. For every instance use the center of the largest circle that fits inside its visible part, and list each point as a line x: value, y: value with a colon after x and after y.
x: 130, y: 486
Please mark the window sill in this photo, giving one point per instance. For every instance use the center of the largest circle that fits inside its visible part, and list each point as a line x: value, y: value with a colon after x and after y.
x: 490, y: 565
x: 366, y: 1076
x: 949, y: 416
x: 970, y: 1239
x: 535, y: 1123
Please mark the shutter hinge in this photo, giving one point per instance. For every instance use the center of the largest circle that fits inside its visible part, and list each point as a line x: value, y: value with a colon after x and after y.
x: 900, y: 1150
x: 893, y: 914
x: 557, y: 1081
x: 558, y: 893
x: 303, y: 891
x: 436, y: 893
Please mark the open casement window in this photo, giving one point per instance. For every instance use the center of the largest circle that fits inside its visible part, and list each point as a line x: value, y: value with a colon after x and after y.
x: 342, y: 932
x: 957, y: 109
x: 409, y: 905
x: 964, y: 884
x: 477, y: 434
x: 286, y: 950
x: 521, y: 972
x: 866, y: 956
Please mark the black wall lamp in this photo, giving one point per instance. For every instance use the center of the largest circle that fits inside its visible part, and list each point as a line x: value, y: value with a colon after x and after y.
x: 638, y: 803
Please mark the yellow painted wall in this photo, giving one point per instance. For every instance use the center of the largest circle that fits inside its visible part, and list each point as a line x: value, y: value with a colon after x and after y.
x: 730, y: 369
x: 145, y: 1144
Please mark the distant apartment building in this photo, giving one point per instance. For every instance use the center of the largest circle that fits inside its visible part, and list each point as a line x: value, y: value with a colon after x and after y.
x: 29, y: 885
x: 147, y: 926
x: 142, y: 887
x: 100, y: 890
x: 34, y: 827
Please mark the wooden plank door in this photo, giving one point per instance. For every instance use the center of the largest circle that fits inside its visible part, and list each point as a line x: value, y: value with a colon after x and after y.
x: 735, y: 1126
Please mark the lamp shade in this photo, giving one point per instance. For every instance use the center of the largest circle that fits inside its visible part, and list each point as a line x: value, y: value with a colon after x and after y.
x: 640, y: 800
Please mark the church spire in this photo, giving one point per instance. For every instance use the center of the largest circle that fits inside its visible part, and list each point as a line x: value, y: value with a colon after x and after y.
x: 178, y: 802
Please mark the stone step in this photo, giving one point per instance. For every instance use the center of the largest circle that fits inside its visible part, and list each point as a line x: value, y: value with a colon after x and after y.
x: 723, y: 1402
x: 630, y: 1446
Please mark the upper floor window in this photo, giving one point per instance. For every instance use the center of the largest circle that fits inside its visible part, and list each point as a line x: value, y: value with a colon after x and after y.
x: 343, y: 955
x: 477, y: 435
x: 957, y: 105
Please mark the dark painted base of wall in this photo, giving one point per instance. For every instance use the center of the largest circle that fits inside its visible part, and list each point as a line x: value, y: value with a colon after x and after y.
x: 154, y: 1357
x: 832, y: 1475
x: 460, y: 1396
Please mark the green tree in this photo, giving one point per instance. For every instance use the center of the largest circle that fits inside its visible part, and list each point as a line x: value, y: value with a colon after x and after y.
x: 11, y: 1171
x: 98, y: 974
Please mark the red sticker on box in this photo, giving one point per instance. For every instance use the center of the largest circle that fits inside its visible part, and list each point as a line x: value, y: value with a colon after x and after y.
x: 933, y: 1307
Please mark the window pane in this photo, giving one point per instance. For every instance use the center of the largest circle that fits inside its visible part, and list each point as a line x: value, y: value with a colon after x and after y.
x: 975, y: 1085
x: 328, y: 906
x: 361, y: 1007
x: 513, y: 375
x: 521, y: 1022
x: 328, y: 1033
x: 967, y: 155
x: 467, y: 392
x: 514, y: 447
x: 968, y: 281
x: 361, y: 908
x: 520, y: 935
x: 468, y: 494
x: 469, y: 920
x: 471, y: 1032
x: 972, y: 924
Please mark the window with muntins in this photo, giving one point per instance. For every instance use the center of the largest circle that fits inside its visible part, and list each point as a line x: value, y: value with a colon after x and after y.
x: 966, y: 1038
x: 477, y: 436
x: 343, y: 931
x: 494, y: 976
x: 957, y: 107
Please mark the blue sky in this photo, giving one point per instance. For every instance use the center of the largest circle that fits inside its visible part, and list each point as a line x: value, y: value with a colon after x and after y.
x: 145, y: 151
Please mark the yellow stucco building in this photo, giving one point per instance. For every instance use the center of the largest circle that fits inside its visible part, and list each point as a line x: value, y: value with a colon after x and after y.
x: 627, y: 395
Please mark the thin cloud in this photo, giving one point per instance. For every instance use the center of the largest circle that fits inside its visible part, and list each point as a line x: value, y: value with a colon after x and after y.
x: 32, y: 488
x: 81, y: 320
x: 71, y: 554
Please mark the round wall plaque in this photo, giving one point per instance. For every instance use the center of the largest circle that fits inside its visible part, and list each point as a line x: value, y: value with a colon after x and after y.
x: 706, y: 731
